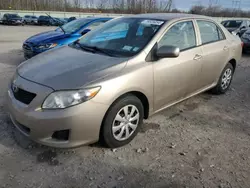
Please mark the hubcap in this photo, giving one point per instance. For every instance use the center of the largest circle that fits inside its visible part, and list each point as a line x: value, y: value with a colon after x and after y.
x: 226, y: 79
x: 125, y: 122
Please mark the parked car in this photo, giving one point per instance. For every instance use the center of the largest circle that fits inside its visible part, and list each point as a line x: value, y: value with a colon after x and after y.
x: 236, y: 27
x: 246, y: 41
x: 63, y: 35
x: 12, y: 19
x: 30, y: 19
x: 44, y: 20
x: 58, y: 22
x: 71, y: 19
x: 103, y: 86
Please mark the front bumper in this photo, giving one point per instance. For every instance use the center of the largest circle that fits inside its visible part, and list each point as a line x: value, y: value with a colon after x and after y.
x: 15, y: 22
x: 82, y: 121
x: 29, y: 51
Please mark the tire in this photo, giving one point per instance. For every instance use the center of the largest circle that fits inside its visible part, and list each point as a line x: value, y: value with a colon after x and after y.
x: 110, y: 134
x: 224, y: 81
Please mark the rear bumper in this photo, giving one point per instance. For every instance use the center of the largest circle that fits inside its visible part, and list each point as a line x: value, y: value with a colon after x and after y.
x: 43, y: 23
x: 246, y: 46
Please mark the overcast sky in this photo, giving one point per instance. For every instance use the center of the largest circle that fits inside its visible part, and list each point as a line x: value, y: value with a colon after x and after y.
x: 186, y: 4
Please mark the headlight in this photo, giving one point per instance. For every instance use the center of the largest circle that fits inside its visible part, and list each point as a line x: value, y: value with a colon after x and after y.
x: 64, y: 99
x: 47, y: 46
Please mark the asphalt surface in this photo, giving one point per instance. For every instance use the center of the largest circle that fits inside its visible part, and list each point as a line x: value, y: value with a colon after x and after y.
x: 202, y: 142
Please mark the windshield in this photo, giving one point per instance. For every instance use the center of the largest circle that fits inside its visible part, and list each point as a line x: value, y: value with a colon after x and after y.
x: 123, y: 36
x: 44, y: 17
x: 14, y: 16
x: 75, y: 25
x: 232, y: 23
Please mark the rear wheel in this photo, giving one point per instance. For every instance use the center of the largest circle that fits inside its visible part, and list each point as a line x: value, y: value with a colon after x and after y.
x: 225, y: 80
x: 122, y: 122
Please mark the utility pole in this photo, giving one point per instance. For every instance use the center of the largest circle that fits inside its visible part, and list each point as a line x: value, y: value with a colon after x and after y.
x: 236, y: 5
x: 214, y: 3
x: 169, y: 6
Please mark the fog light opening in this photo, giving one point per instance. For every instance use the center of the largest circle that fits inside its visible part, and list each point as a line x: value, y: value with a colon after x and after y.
x: 61, y: 135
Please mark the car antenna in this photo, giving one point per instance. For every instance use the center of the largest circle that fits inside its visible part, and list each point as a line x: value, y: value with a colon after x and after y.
x: 56, y: 21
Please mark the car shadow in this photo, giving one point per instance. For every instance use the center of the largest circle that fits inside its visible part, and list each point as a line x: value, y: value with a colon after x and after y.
x: 12, y: 57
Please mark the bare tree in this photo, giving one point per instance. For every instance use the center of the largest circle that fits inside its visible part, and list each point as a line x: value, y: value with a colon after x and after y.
x: 118, y: 6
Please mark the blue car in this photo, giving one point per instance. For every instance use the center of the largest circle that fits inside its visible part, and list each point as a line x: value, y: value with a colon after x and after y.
x: 63, y: 35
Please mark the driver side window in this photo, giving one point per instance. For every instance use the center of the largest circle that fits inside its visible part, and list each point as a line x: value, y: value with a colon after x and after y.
x: 181, y: 35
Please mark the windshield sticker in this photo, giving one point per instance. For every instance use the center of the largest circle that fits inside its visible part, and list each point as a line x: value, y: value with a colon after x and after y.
x: 152, y: 22
x: 127, y: 48
x: 135, y: 49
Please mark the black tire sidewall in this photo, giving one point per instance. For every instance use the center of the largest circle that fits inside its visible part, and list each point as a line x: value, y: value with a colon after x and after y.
x: 221, y: 90
x: 106, y: 131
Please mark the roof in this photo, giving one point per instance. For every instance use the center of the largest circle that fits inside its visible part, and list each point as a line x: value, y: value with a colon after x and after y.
x: 96, y: 18
x: 168, y: 16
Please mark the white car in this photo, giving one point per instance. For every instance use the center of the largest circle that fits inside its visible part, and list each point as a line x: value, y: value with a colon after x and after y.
x: 29, y: 19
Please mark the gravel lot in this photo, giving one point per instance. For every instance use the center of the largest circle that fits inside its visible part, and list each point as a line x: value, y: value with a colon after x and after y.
x: 202, y: 142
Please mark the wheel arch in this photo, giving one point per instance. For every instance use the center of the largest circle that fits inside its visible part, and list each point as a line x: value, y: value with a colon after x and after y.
x: 233, y: 63
x: 141, y: 96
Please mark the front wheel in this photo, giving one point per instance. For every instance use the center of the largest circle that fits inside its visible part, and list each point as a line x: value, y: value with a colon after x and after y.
x: 122, y: 121
x: 225, y: 80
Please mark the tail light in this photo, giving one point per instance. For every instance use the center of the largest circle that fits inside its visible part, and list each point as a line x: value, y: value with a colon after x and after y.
x: 242, y: 44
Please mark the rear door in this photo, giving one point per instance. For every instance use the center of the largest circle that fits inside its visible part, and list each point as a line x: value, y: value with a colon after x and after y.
x: 176, y: 78
x: 215, y: 49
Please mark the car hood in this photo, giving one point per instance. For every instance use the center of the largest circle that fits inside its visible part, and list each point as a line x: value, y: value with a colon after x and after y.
x: 69, y: 68
x: 46, y: 37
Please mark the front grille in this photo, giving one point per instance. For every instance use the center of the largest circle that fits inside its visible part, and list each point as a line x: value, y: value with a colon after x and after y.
x: 22, y: 95
x: 26, y: 47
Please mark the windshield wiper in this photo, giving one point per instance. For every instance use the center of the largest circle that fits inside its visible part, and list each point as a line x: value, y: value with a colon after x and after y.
x: 94, y: 49
x: 57, y: 22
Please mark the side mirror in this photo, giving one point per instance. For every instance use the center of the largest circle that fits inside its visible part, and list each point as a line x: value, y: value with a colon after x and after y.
x: 85, y: 31
x: 167, y: 51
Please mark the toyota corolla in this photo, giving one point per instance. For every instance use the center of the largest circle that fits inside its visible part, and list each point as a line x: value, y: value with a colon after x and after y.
x: 102, y: 87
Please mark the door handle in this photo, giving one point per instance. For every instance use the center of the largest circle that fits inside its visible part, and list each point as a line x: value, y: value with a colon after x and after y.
x: 225, y: 48
x: 197, y: 57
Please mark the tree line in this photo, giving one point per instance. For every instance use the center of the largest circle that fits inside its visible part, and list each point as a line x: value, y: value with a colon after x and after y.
x: 114, y: 6
x: 117, y: 6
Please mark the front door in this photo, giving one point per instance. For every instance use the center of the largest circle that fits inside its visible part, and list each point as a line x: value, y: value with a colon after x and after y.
x: 176, y: 78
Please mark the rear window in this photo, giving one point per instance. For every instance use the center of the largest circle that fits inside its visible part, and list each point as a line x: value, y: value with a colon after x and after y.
x: 232, y: 23
x: 44, y: 17
x: 13, y: 16
x: 209, y: 32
